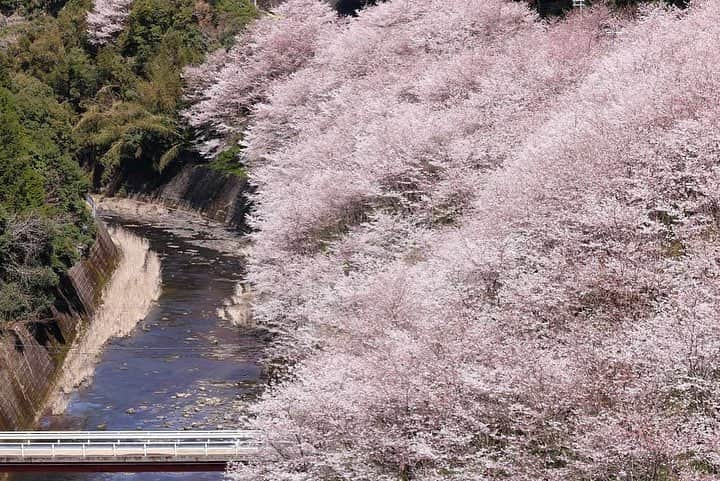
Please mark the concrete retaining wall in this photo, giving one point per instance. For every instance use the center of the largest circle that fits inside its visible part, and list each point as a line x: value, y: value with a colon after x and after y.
x: 196, y: 187
x: 31, y: 355
x: 217, y: 195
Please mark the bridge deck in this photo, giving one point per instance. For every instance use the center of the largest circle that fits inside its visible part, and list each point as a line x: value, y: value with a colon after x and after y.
x: 124, y: 450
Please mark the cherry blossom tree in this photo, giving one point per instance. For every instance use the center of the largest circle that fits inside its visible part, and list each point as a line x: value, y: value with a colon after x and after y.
x: 225, y: 87
x: 107, y: 19
x: 488, y: 243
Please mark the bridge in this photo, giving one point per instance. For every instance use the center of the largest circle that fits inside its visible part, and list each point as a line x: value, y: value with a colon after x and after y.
x: 124, y: 451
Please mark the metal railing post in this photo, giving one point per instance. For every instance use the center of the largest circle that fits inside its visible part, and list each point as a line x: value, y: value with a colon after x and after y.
x: 52, y: 450
x: 22, y: 450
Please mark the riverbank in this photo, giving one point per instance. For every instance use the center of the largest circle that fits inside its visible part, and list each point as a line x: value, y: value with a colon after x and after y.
x: 32, y: 355
x: 196, y: 189
x: 127, y: 298
x: 181, y: 221
x: 183, y: 365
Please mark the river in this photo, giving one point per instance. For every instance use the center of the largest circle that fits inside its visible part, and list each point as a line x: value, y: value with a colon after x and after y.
x: 182, y: 367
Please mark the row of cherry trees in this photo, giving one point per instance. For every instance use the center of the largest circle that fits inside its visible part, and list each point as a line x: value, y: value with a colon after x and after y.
x: 489, y: 244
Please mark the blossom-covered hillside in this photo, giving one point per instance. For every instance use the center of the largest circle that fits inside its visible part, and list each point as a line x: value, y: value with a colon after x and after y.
x: 490, y: 243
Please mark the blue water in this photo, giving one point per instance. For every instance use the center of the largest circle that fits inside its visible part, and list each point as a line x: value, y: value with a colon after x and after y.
x: 182, y: 367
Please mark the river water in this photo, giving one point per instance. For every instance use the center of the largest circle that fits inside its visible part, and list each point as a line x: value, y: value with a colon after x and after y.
x: 182, y: 367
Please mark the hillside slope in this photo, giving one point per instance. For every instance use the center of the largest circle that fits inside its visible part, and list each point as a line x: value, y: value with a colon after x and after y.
x: 490, y: 244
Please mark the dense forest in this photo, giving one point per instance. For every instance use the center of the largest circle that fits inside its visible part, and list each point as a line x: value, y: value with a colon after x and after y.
x: 486, y: 241
x: 44, y: 225
x: 92, y: 93
x: 87, y: 97
x: 489, y: 243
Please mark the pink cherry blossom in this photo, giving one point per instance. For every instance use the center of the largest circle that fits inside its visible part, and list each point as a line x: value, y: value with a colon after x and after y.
x: 106, y: 19
x: 488, y: 244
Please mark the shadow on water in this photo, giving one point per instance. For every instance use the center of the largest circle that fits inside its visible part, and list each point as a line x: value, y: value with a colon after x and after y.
x: 182, y: 367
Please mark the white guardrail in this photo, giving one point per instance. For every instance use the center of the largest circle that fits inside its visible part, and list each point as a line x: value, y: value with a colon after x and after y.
x: 114, y: 444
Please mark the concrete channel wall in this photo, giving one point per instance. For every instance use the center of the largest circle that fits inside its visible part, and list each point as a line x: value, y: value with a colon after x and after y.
x: 220, y: 196
x: 32, y: 354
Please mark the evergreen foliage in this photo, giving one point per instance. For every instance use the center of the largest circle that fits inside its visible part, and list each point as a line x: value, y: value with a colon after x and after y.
x: 69, y: 100
x: 44, y: 225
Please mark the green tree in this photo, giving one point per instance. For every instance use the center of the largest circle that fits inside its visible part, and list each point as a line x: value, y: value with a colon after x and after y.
x: 127, y: 135
x: 21, y: 186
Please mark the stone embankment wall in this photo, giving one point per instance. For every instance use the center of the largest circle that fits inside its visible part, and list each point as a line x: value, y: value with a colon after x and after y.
x: 216, y: 195
x: 32, y: 354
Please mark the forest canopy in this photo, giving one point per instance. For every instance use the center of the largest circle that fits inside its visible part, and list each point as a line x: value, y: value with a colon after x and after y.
x: 488, y: 244
x: 44, y: 224
x: 77, y: 113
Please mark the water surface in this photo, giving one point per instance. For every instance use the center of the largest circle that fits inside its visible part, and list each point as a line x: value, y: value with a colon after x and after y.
x: 183, y: 367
